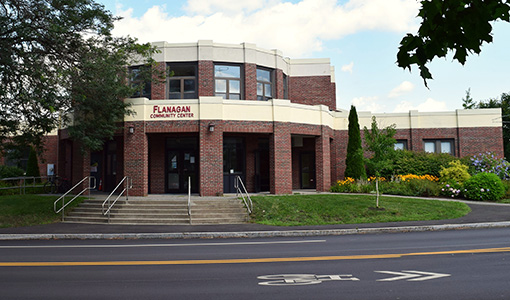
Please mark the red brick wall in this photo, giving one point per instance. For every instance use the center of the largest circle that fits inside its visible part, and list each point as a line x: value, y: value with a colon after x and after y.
x: 205, y: 78
x: 476, y: 140
x: 250, y: 82
x: 211, y: 159
x: 158, y: 87
x: 312, y: 90
x: 171, y: 126
x: 80, y: 166
x: 136, y: 160
x: 50, y: 154
x: 280, y: 156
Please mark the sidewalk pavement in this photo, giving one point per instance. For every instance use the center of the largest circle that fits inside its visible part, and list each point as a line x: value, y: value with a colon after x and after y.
x: 482, y: 215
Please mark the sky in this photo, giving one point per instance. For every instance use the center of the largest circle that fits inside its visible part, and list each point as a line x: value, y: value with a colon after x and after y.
x: 360, y: 37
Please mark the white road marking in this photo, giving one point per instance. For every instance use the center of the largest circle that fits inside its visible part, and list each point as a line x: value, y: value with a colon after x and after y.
x: 411, y: 275
x: 162, y: 245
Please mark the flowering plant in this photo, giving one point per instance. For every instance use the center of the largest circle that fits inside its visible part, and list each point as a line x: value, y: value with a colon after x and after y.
x: 451, y: 189
x: 489, y: 163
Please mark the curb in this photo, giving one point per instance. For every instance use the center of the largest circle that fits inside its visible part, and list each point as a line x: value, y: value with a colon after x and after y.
x: 250, y: 234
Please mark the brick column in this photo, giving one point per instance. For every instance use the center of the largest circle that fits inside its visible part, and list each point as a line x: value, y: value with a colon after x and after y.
x: 158, y: 87
x: 80, y: 166
x: 280, y: 157
x: 205, y: 78
x: 136, y: 158
x: 322, y: 162
x: 211, y: 158
x: 250, y: 81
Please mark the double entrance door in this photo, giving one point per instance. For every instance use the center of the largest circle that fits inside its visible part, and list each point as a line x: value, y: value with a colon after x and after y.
x: 181, y: 165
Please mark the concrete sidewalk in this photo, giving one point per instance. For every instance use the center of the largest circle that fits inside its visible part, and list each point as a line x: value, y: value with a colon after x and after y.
x: 483, y: 215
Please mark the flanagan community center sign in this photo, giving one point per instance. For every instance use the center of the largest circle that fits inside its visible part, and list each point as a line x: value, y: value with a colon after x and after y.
x: 171, y: 112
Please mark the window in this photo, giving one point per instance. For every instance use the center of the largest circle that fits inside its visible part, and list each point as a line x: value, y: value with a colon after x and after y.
x: 264, y: 85
x: 227, y: 80
x: 401, y: 145
x: 136, y: 79
x: 439, y: 146
x: 183, y: 82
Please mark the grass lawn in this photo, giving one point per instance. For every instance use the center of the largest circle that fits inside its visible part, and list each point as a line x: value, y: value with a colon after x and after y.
x: 28, y: 210
x: 325, y: 209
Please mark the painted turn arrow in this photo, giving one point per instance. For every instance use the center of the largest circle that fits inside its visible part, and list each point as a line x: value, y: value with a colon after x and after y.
x: 412, y: 275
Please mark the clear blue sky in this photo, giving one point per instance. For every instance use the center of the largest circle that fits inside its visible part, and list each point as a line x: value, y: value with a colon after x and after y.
x: 361, y: 38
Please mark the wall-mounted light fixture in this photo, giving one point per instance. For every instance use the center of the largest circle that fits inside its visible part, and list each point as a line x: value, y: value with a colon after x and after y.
x: 131, y: 129
x: 211, y: 127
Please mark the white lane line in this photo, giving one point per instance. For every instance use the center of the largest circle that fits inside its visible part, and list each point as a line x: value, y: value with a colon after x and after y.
x: 162, y: 245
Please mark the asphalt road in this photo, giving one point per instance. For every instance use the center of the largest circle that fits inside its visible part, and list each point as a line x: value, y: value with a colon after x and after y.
x: 465, y: 264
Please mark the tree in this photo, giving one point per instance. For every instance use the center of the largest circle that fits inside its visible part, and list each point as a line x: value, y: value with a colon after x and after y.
x: 504, y: 104
x: 33, y: 165
x: 461, y: 26
x: 354, y: 162
x: 48, y: 52
x: 381, y: 144
x: 468, y: 102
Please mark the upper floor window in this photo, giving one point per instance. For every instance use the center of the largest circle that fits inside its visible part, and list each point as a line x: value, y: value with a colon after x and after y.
x: 137, y: 80
x: 264, y: 84
x: 227, y: 80
x: 182, y: 84
x: 401, y: 145
x: 439, y: 146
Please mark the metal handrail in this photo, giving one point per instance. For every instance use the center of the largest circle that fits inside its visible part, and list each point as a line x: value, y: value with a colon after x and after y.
x: 64, y: 205
x: 189, y: 199
x: 23, y: 183
x: 238, y: 184
x: 128, y: 185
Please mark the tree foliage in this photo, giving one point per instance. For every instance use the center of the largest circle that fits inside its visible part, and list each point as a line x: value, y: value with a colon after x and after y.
x: 504, y: 103
x: 58, y: 57
x: 468, y: 102
x: 381, y: 144
x: 354, y: 162
x: 460, y: 26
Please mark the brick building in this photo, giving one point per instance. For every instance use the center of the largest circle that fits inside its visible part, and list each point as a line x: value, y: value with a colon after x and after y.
x: 238, y: 110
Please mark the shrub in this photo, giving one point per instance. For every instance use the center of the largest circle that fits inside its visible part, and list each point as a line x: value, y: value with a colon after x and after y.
x: 487, y: 162
x: 8, y: 171
x: 420, y: 163
x: 484, y: 187
x: 348, y: 185
x: 456, y: 172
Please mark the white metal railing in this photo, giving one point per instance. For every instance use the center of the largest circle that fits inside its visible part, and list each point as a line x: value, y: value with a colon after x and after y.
x: 241, y: 190
x: 91, y: 186
x: 128, y: 184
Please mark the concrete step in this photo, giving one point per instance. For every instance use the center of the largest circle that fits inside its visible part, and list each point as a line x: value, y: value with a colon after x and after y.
x: 160, y: 210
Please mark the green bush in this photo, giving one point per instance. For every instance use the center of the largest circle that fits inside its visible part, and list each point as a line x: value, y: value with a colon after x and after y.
x: 411, y: 187
x: 456, y: 172
x: 421, y: 163
x: 8, y: 171
x: 451, y: 189
x: 484, y: 187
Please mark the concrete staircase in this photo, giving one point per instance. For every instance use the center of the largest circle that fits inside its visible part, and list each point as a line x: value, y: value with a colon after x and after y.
x: 163, y: 210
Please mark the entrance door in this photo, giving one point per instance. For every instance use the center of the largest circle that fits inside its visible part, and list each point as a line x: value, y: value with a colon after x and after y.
x: 233, y: 162
x: 307, y: 170
x: 181, y: 165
